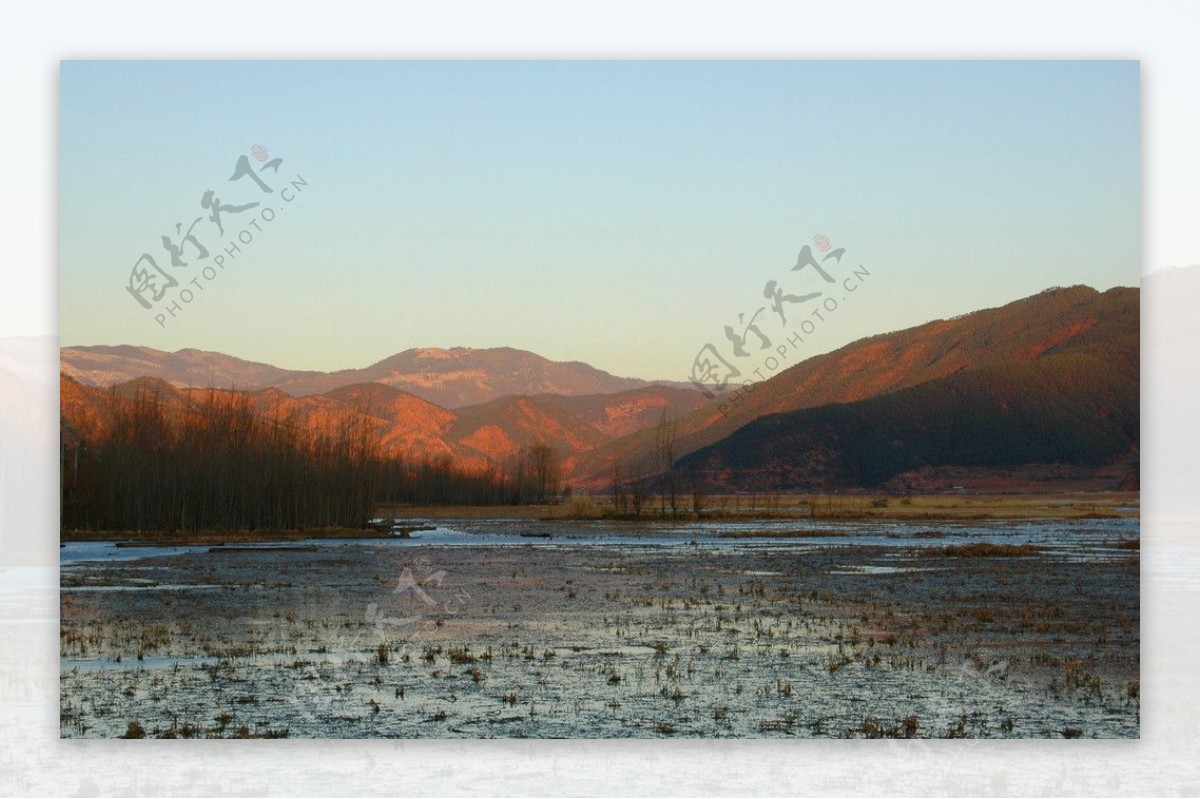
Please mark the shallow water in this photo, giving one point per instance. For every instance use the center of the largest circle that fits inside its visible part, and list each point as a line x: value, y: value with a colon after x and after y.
x: 1087, y: 539
x: 607, y: 630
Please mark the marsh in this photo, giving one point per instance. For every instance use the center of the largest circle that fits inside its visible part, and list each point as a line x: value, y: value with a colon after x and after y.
x: 755, y: 628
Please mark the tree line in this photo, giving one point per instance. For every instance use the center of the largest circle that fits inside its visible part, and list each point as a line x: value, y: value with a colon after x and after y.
x: 218, y: 463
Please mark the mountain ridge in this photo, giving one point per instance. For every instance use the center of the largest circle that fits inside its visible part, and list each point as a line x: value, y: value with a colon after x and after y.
x: 599, y: 434
x: 451, y: 378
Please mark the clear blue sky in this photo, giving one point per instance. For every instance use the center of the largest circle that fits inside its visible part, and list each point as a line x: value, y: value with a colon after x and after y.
x: 619, y: 213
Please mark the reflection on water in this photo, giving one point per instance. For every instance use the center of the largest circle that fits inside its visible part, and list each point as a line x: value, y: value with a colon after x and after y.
x: 78, y: 551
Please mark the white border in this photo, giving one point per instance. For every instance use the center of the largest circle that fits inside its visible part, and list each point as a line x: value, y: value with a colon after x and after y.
x: 36, y: 36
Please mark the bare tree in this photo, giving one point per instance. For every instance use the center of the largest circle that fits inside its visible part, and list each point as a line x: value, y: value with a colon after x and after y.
x: 699, y: 495
x: 637, y: 495
x: 218, y: 462
x: 533, y: 474
x: 546, y: 471
x: 664, y: 461
x: 619, y: 498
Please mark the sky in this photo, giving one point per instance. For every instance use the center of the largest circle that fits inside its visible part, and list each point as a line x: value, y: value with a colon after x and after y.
x: 618, y: 213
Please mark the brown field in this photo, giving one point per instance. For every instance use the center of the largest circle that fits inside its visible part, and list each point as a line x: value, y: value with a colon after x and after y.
x: 966, y: 506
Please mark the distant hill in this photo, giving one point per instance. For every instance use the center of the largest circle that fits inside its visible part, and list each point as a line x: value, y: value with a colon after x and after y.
x: 403, y: 423
x: 458, y: 377
x: 107, y: 366
x: 450, y: 378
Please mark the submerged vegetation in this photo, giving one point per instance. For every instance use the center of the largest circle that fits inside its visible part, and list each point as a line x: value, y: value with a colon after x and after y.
x: 804, y: 638
x: 985, y: 549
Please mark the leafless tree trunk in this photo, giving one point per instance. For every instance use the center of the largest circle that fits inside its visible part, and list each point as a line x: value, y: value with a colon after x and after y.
x: 699, y: 495
x: 620, y: 501
x: 664, y: 461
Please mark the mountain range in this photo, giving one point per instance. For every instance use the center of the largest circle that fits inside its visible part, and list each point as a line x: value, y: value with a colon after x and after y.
x: 1049, y: 380
x: 451, y: 378
x: 404, y: 424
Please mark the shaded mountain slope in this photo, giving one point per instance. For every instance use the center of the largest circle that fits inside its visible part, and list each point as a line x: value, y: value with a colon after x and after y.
x: 1076, y: 319
x: 1074, y: 409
